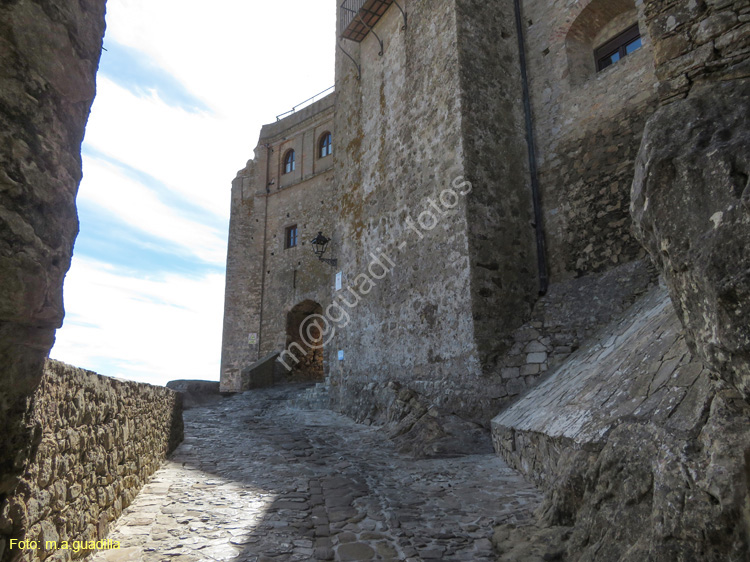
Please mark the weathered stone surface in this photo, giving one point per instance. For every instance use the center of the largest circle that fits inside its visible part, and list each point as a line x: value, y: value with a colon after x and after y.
x: 698, y: 42
x: 97, y: 441
x: 260, y: 479
x: 588, y: 128
x: 643, y: 448
x: 265, y: 279
x: 639, y: 368
x: 432, y: 178
x: 49, y: 54
x: 196, y: 393
x: 625, y: 439
x: 691, y: 205
x: 418, y: 176
x: 656, y: 494
x: 424, y: 431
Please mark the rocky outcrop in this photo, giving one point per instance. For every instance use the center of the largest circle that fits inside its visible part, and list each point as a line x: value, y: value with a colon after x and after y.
x: 97, y: 440
x: 670, y: 481
x: 650, y: 494
x: 49, y: 54
x: 691, y: 205
x: 642, y: 454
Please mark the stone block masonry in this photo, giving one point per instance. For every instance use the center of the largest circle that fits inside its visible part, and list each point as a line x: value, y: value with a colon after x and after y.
x: 588, y: 128
x: 268, y: 275
x: 96, y: 442
x: 428, y: 117
x: 698, y: 41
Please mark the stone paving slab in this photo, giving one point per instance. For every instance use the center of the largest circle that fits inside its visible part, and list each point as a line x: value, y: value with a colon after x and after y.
x: 258, y: 479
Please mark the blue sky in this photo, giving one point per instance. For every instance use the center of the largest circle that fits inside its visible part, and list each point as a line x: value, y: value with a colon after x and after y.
x: 182, y: 91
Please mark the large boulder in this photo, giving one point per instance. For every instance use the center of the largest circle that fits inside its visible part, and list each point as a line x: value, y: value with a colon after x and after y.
x: 691, y: 206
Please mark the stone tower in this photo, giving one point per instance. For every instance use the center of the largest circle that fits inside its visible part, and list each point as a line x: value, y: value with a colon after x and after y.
x: 278, y: 206
x: 467, y: 136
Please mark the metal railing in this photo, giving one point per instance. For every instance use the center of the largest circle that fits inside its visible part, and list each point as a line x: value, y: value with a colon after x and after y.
x: 349, y: 10
x: 308, y: 101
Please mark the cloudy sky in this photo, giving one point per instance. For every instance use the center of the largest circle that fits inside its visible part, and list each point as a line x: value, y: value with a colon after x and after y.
x: 183, y: 89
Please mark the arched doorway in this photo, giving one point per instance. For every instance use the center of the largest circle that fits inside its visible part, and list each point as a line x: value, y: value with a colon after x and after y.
x: 304, y: 325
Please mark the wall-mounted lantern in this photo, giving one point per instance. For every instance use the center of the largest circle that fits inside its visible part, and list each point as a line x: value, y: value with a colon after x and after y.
x: 320, y: 245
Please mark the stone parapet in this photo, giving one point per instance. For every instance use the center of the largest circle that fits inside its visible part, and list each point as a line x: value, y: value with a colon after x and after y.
x: 96, y: 442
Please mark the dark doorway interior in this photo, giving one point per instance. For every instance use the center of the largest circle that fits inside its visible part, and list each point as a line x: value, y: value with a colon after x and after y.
x: 304, y: 327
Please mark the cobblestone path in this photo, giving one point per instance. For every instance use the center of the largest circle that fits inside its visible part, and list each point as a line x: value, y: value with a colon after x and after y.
x: 260, y: 480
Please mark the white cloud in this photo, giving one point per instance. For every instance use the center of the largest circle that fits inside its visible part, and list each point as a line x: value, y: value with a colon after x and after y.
x: 183, y: 150
x: 106, y: 187
x: 247, y: 61
x: 148, y: 330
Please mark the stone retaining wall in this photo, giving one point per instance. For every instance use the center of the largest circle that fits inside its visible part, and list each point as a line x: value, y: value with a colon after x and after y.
x: 96, y: 442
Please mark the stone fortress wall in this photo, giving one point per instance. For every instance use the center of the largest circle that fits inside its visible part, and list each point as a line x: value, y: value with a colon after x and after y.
x: 399, y: 129
x: 265, y: 280
x: 458, y: 316
x: 96, y: 442
x: 588, y: 127
x: 639, y: 436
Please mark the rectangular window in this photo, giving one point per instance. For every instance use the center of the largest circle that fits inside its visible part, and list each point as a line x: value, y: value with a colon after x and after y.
x: 292, y: 237
x: 617, y: 48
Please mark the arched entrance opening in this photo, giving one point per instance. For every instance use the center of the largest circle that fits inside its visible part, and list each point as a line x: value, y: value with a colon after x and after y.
x: 305, y: 325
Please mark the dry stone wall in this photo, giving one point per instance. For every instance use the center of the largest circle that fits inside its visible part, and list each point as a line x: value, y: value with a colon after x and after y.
x: 96, y: 442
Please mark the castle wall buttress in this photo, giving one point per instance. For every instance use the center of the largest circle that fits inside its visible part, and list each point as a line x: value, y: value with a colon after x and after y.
x: 434, y: 174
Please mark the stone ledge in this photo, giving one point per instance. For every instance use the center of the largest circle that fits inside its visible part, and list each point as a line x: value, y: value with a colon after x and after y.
x: 638, y: 368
